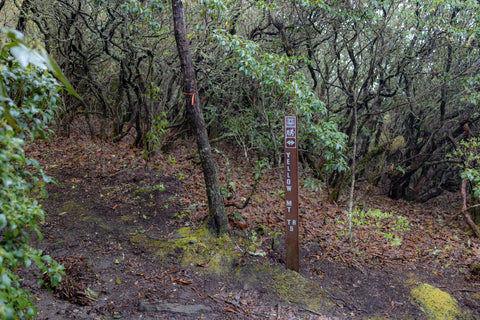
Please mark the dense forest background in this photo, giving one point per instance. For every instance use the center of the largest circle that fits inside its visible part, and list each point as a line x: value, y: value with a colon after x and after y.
x: 386, y: 93
x: 385, y: 89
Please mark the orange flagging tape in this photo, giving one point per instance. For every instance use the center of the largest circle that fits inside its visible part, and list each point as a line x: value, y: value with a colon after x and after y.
x: 191, y: 94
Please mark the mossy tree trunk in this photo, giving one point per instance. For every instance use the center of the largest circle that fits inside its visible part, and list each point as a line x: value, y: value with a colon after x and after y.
x: 475, y: 211
x: 218, y: 220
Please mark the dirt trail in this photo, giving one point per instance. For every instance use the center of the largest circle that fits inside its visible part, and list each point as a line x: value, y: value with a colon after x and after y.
x: 107, y: 198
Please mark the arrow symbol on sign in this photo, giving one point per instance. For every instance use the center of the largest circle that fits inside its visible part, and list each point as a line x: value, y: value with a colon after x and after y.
x: 290, y: 142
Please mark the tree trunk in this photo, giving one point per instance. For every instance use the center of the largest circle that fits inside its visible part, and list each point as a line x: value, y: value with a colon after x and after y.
x: 218, y: 220
x: 475, y: 211
x: 466, y: 214
x: 22, y: 19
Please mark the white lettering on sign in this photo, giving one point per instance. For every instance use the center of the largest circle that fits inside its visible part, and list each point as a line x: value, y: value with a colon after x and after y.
x: 291, y: 192
x: 291, y: 224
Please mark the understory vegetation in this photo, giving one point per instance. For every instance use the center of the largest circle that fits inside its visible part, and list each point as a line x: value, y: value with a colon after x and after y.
x: 386, y: 94
x: 406, y: 69
x: 28, y: 96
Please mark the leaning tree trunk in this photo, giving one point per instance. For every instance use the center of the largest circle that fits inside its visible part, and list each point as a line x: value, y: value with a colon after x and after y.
x: 218, y: 220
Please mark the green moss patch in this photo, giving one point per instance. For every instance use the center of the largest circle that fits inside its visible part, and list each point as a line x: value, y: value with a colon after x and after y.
x: 144, y: 243
x: 435, y: 303
x: 296, y: 289
x: 192, y: 248
x: 127, y: 218
x: 285, y: 286
x: 197, y: 248
x: 142, y: 190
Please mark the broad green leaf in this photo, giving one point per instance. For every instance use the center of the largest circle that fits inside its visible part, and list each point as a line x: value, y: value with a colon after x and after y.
x: 3, y: 221
x: 21, y: 54
x: 54, y: 68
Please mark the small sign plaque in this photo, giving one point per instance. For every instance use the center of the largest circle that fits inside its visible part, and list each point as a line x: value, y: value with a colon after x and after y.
x: 291, y: 193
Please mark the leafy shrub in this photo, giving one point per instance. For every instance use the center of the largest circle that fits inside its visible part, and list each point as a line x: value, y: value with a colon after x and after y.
x: 282, y: 90
x: 468, y: 154
x: 28, y: 100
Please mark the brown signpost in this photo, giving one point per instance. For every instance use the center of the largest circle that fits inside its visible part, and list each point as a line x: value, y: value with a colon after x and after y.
x: 291, y: 193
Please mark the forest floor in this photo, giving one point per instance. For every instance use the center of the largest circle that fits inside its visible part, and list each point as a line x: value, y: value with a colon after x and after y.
x: 107, y: 195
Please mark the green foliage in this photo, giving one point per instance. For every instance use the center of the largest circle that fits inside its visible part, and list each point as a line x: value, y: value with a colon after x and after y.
x: 160, y: 187
x: 380, y: 221
x: 279, y: 80
x: 261, y: 167
x: 380, y: 56
x: 237, y: 216
x: 28, y: 96
x: 468, y: 152
x: 213, y: 9
x: 155, y: 135
x: 252, y: 245
x: 313, y: 184
x: 171, y: 159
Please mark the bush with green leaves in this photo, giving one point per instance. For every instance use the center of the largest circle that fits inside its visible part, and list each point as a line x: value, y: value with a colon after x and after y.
x: 29, y: 96
x: 468, y: 153
x: 279, y: 79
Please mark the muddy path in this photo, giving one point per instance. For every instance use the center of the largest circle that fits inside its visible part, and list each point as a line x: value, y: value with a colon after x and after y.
x: 110, y: 212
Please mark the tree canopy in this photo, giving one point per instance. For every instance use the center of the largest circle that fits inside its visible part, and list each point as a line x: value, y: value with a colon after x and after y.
x: 407, y: 70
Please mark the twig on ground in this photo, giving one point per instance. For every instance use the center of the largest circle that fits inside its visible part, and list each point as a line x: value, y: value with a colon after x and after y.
x: 455, y: 215
x: 312, y: 311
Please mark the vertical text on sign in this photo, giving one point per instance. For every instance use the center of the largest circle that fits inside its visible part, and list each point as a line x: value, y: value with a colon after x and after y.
x: 291, y: 192
x: 290, y: 143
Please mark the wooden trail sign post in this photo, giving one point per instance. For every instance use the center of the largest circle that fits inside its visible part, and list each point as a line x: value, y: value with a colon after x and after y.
x: 291, y: 193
